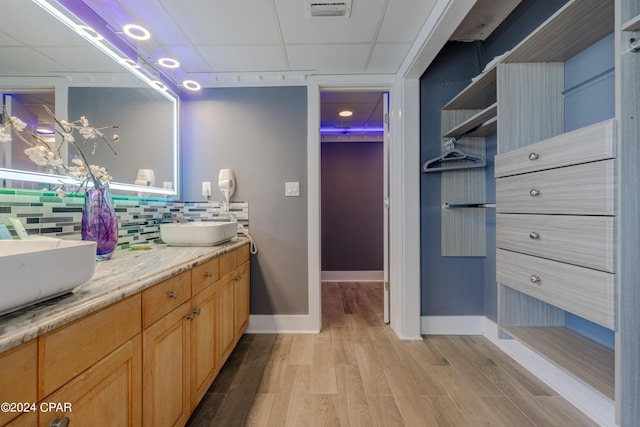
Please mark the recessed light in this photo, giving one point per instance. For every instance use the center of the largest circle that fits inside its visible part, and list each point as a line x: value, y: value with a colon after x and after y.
x: 168, y: 63
x: 159, y: 85
x: 136, y: 32
x: 191, y: 85
x: 90, y: 32
x: 345, y: 113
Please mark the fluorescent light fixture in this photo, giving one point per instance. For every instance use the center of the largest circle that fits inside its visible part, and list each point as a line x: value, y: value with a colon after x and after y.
x: 168, y: 63
x: 136, y: 32
x: 345, y: 113
x: 191, y: 85
x: 90, y: 32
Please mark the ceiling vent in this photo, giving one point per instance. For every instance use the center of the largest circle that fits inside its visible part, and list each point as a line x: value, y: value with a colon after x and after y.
x: 319, y: 8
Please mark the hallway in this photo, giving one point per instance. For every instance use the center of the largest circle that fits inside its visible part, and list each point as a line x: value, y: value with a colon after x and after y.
x: 356, y: 372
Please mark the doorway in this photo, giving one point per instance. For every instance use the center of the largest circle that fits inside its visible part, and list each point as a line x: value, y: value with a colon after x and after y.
x: 354, y: 191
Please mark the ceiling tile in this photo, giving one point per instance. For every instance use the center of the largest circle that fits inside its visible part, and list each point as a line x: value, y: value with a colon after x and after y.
x: 218, y: 22
x: 244, y: 58
x: 329, y: 59
x: 404, y: 20
x: 387, y: 58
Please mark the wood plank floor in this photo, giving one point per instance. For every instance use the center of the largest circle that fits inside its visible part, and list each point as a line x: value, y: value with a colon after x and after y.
x: 356, y: 372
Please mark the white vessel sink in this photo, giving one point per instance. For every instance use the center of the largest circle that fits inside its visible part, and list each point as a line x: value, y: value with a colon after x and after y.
x: 36, y: 270
x: 197, y: 233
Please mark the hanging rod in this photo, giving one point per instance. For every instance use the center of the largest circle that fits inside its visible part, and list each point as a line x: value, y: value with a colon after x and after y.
x: 448, y: 205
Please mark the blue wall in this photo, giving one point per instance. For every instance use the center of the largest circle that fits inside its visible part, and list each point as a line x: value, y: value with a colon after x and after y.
x: 462, y: 285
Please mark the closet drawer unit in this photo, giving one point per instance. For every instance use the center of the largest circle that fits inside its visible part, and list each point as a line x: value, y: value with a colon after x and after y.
x: 595, y: 142
x: 585, y: 292
x: 587, y: 189
x: 587, y: 241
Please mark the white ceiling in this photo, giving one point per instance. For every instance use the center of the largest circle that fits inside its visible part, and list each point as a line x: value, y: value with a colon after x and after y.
x: 238, y: 36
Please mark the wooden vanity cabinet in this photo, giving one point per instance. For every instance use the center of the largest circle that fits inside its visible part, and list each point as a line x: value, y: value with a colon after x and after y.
x: 18, y: 378
x: 107, y: 394
x: 146, y: 360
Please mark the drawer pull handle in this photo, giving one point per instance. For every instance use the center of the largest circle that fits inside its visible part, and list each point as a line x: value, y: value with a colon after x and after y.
x: 60, y: 422
x: 173, y: 294
x: 534, y: 278
x: 208, y: 274
x: 533, y: 156
x: 534, y: 193
x: 534, y: 236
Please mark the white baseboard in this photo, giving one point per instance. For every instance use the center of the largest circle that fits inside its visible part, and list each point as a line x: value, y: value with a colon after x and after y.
x: 352, y: 276
x: 593, y: 404
x: 281, y: 324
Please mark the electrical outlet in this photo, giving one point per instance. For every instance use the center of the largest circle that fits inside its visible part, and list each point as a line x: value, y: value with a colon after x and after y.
x: 206, y: 188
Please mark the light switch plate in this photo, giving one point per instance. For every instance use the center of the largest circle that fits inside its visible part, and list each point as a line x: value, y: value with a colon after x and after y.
x: 292, y: 189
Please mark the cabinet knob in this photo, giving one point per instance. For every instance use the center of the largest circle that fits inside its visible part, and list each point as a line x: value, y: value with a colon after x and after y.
x: 190, y: 316
x: 173, y: 294
x: 534, y: 193
x: 238, y: 278
x: 533, y: 156
x: 59, y: 422
x: 534, y: 236
x: 196, y: 311
x: 208, y: 274
x: 534, y: 278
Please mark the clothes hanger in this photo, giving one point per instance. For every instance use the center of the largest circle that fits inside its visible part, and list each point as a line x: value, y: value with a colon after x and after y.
x: 453, y: 159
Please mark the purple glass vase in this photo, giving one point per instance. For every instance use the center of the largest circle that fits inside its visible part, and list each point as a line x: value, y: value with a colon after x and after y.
x: 99, y: 222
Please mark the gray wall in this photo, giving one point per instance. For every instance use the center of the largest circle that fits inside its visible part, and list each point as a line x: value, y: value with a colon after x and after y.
x: 144, y: 117
x: 260, y: 133
x: 352, y: 215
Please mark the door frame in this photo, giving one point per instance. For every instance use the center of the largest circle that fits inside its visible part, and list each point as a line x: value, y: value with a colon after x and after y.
x: 404, y: 262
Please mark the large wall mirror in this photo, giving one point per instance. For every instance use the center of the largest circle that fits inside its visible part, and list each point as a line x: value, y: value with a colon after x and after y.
x: 44, y: 61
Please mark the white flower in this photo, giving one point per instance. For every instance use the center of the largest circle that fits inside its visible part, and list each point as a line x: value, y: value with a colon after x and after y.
x: 42, y: 156
x: 5, y: 135
x: 18, y: 124
x: 84, y: 122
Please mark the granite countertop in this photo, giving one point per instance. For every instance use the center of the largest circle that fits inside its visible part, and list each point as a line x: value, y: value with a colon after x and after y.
x: 127, y: 273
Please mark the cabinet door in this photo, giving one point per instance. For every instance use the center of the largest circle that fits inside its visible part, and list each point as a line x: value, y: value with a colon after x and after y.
x: 18, y: 366
x: 107, y: 394
x: 225, y: 317
x: 24, y: 420
x: 204, y: 352
x: 241, y: 295
x: 166, y: 400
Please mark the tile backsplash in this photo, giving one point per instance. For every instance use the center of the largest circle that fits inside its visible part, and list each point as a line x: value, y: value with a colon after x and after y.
x: 43, y: 213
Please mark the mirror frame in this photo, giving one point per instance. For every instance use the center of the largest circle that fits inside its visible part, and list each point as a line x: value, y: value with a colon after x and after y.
x: 61, y: 87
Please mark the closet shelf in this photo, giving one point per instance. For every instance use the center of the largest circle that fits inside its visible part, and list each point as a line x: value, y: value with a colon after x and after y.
x: 632, y: 24
x: 485, y: 122
x: 574, y: 27
x: 480, y: 93
x: 590, y: 362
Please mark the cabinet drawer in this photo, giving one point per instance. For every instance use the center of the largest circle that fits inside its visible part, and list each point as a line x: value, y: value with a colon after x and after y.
x: 69, y: 350
x: 587, y: 241
x: 588, y: 144
x: 582, y: 291
x: 205, y: 275
x: 164, y: 297
x: 587, y: 189
x: 18, y: 366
